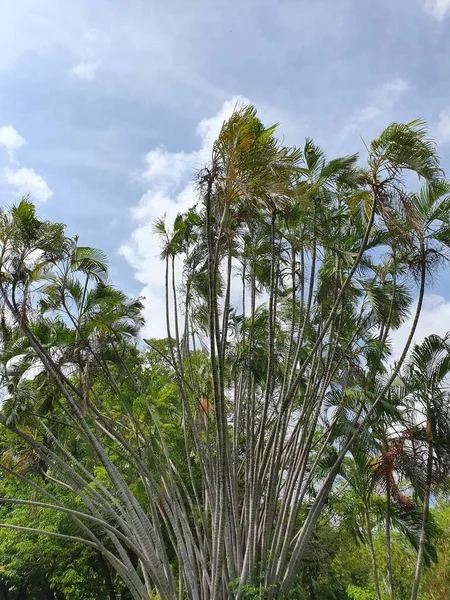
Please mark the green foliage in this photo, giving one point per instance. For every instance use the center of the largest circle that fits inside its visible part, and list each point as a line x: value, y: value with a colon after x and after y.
x: 249, y: 591
x: 356, y: 593
x: 40, y: 563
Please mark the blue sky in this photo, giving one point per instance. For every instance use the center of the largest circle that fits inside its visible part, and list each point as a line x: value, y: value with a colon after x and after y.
x: 107, y: 107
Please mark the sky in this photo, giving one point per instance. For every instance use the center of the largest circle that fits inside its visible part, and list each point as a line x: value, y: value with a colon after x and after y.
x: 108, y: 108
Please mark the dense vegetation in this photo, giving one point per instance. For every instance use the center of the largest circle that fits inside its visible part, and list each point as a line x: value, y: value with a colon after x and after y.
x: 273, y: 445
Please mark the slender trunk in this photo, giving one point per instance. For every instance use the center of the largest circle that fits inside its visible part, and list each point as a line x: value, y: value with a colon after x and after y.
x: 376, y: 580
x: 273, y: 480
x: 299, y: 373
x: 215, y: 357
x: 390, y: 581
x: 252, y: 482
x: 423, y: 531
x: 305, y: 312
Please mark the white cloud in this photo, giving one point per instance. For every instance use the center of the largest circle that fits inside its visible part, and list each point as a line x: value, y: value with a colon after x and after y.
x: 86, y: 70
x: 27, y: 181
x: 359, y: 118
x: 388, y: 95
x: 443, y: 125
x: 91, y: 54
x: 383, y: 100
x: 169, y: 176
x: 437, y: 8
x: 434, y: 318
x: 11, y: 140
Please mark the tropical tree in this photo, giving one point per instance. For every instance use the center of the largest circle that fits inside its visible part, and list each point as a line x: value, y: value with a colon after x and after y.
x: 426, y: 372
x: 295, y: 269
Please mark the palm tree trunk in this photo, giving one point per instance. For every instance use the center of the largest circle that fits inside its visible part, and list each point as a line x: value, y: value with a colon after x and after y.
x: 219, y: 512
x: 376, y: 579
x: 390, y: 582
x: 423, y: 532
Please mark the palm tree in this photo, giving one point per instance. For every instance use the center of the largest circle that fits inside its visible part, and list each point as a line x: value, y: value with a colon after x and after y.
x: 425, y: 383
x: 382, y: 202
x: 395, y: 469
x: 358, y: 473
x: 271, y: 385
x: 40, y: 263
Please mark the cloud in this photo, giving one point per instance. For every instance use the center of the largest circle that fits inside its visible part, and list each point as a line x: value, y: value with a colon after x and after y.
x: 11, y: 140
x: 443, y: 126
x: 168, y: 38
x: 86, y: 70
x: 437, y: 8
x: 27, y: 181
x: 383, y: 100
x: 434, y: 318
x: 171, y: 190
x: 388, y: 95
x: 92, y: 54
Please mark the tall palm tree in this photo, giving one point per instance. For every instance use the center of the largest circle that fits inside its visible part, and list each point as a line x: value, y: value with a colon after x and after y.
x: 383, y: 202
x: 425, y: 381
x: 394, y: 469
